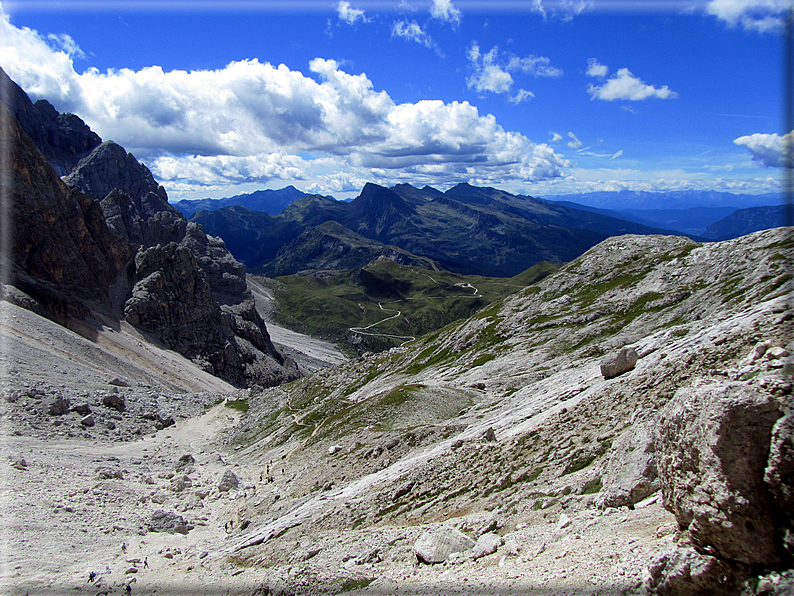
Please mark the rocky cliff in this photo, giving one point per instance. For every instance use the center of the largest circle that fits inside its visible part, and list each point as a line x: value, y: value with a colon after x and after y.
x: 63, y: 256
x: 106, y: 237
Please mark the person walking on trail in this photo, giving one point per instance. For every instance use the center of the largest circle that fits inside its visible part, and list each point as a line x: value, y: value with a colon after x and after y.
x: 91, y: 577
x: 146, y: 562
x: 128, y: 588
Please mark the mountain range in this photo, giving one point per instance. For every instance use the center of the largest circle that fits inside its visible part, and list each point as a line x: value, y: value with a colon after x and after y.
x: 466, y: 229
x: 266, y: 229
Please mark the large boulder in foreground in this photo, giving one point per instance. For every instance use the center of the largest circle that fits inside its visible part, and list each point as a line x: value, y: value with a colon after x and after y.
x: 713, y: 443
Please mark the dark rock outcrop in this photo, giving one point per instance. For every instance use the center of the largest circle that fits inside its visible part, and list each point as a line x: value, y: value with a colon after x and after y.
x: 63, y: 138
x: 64, y: 256
x: 106, y: 238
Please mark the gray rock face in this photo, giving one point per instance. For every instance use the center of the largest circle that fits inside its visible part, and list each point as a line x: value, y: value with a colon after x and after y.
x: 630, y: 474
x: 110, y: 167
x: 63, y: 254
x: 63, y: 138
x: 685, y: 572
x: 618, y: 362
x: 437, y: 546
x: 779, y: 473
x: 712, y: 444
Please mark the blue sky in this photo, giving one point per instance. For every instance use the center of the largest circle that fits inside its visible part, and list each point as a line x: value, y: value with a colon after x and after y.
x: 539, y: 97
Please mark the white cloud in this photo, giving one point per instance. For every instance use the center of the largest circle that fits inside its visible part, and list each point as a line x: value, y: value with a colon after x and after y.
x: 412, y: 31
x: 761, y: 16
x: 491, y: 75
x: 349, y: 15
x: 252, y: 121
x: 596, y: 69
x: 624, y: 85
x: 617, y: 154
x: 444, y: 10
x: 555, y: 137
x: 537, y: 66
x: 574, y: 143
x: 488, y: 76
x: 770, y: 150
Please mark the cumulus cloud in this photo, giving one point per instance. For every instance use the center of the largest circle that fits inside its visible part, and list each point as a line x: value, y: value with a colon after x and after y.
x: 412, y: 31
x: 444, y: 10
x: 574, y: 143
x: 770, y: 150
x: 596, y: 69
x: 624, y: 85
x: 492, y: 74
x: 349, y: 15
x: 762, y: 16
x: 253, y: 121
x: 555, y: 137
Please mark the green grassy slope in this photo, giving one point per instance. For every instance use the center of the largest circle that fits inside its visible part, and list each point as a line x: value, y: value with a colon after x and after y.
x: 386, y: 304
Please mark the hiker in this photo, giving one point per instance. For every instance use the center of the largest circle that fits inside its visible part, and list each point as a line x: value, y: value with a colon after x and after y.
x: 124, y: 547
x: 146, y: 562
x: 91, y: 577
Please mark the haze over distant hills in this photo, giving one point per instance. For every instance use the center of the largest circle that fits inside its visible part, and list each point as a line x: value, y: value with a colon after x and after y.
x: 266, y: 201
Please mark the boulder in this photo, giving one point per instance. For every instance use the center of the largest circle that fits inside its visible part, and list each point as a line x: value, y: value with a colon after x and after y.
x: 185, y: 463
x: 167, y: 521
x: 82, y: 408
x: 115, y: 401
x: 438, y: 545
x: 686, y: 572
x: 630, y: 473
x: 487, y: 544
x: 712, y: 448
x: 58, y: 406
x: 619, y: 362
x: 87, y: 420
x: 228, y: 481
x: 779, y: 473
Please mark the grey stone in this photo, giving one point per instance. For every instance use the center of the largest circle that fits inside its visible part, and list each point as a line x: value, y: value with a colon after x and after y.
x: 115, y: 401
x: 117, y: 382
x: 438, y: 545
x: 82, y: 408
x: 16, y: 460
x: 487, y: 544
x: 779, y: 473
x: 228, y: 481
x: 630, y: 472
x: 712, y: 448
x: 58, y: 406
x: 685, y: 572
x: 167, y: 521
x: 87, y: 420
x: 185, y: 463
x: 106, y: 472
x: 619, y: 362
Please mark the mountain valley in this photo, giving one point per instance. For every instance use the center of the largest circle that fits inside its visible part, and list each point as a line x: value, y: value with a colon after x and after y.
x: 616, y: 420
